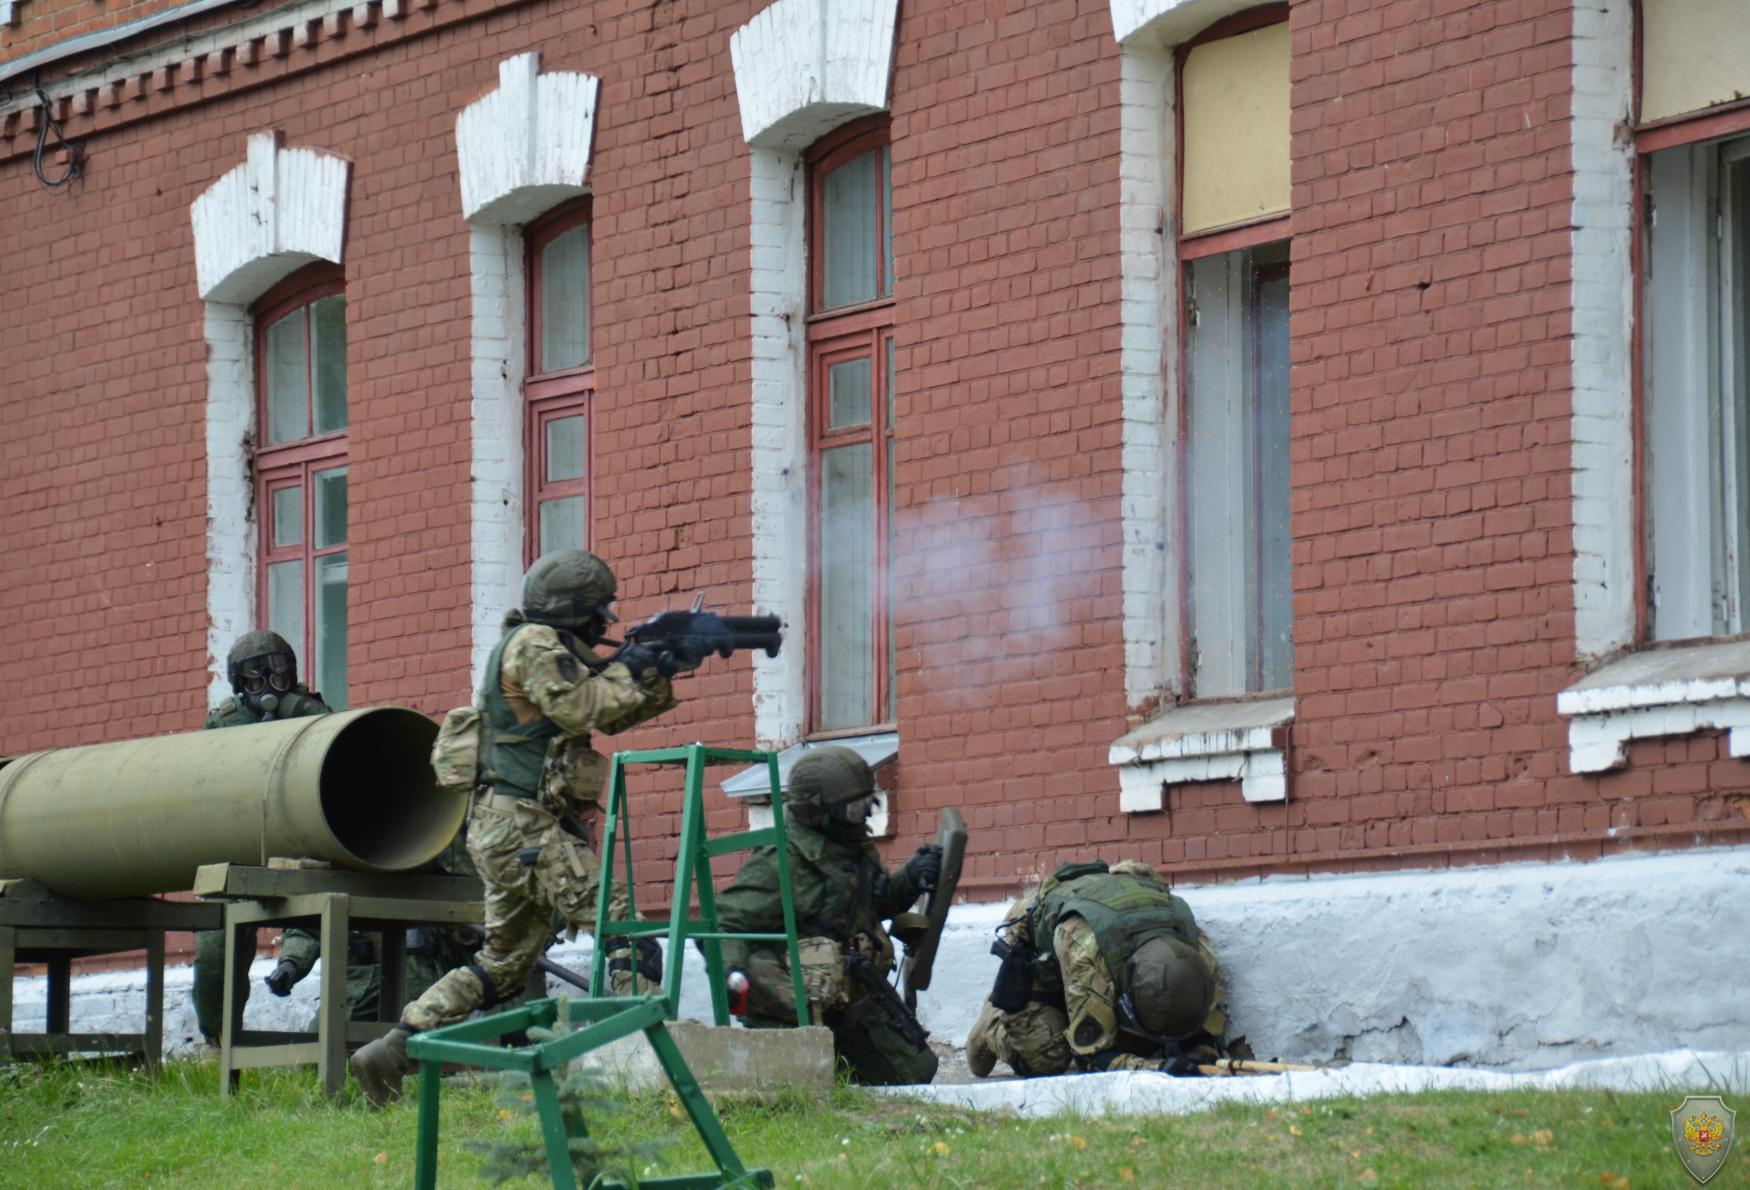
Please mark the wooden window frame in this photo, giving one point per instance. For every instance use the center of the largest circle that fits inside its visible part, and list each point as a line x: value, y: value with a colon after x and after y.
x: 560, y: 393
x: 1257, y: 233
x: 281, y: 464
x: 840, y: 334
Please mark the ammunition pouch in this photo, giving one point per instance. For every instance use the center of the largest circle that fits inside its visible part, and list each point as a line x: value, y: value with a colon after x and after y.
x: 649, y: 961
x: 1014, y: 982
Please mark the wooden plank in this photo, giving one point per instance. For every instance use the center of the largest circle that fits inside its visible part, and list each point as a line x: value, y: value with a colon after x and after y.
x: 234, y: 882
x: 135, y: 913
x: 256, y: 1057
x: 76, y: 1043
x: 8, y: 969
x: 60, y: 993
x: 154, y: 1036
x: 367, y: 913
x: 61, y: 938
x: 331, y: 1006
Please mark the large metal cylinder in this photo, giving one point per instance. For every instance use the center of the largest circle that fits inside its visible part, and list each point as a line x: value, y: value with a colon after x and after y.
x: 139, y: 816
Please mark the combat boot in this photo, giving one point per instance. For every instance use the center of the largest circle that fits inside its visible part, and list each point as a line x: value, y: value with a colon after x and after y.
x: 981, y: 1057
x: 379, y: 1067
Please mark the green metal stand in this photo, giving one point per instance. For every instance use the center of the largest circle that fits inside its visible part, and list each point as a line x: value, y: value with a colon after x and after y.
x: 692, y: 874
x: 473, y: 1043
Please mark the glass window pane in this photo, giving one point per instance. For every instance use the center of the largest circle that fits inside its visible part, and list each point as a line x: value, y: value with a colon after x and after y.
x: 288, y: 515
x: 1215, y: 482
x: 564, y: 448
x: 848, y: 387
x: 285, y: 601
x: 330, y: 670
x: 565, y: 301
x: 1270, y: 442
x: 848, y: 233
x: 288, y: 380
x: 847, y: 572
x: 562, y: 524
x: 328, y: 362
x: 887, y: 222
x: 330, y: 507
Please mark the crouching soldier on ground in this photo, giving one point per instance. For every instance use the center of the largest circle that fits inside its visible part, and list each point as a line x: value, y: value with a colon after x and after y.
x: 532, y: 818
x: 263, y: 672
x: 842, y: 894
x: 1103, y: 969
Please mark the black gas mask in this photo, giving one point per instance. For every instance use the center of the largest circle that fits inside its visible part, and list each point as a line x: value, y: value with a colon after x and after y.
x: 263, y: 682
x: 850, y: 820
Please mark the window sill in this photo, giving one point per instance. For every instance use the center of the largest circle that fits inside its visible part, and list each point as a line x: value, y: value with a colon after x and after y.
x: 1661, y: 692
x: 753, y: 784
x: 1225, y: 741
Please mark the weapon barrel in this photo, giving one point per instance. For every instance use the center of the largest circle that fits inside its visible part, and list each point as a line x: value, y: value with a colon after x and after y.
x: 139, y: 816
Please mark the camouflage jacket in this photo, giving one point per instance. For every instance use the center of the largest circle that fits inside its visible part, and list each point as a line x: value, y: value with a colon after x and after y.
x: 234, y: 712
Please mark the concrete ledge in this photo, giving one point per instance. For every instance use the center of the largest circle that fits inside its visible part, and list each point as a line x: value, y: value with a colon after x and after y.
x: 723, y: 1060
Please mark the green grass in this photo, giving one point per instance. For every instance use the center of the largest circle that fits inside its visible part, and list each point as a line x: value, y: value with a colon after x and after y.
x: 94, y: 1126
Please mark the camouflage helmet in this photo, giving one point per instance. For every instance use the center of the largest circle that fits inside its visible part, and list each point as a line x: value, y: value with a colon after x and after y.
x: 568, y: 589
x: 823, y: 779
x: 257, y: 645
x: 1171, y: 986
x: 1135, y: 867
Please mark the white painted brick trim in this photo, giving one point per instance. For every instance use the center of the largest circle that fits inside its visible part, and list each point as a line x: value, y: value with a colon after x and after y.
x: 1603, y: 304
x: 261, y: 221
x: 279, y: 210
x: 525, y: 147
x: 1148, y: 310
x: 1249, y: 750
x: 803, y: 67
x: 1168, y: 22
x: 1665, y: 692
x: 8, y: 12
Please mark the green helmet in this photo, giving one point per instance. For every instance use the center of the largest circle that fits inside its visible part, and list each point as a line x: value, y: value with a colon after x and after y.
x: 261, y: 658
x: 569, y: 589
x: 1170, y: 987
x: 825, y: 779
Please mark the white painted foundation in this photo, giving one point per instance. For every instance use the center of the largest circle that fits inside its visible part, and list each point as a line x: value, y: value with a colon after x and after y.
x: 1518, y: 967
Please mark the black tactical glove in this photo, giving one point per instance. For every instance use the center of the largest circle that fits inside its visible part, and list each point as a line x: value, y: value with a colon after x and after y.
x: 284, y: 975
x: 925, y: 866
x: 641, y: 659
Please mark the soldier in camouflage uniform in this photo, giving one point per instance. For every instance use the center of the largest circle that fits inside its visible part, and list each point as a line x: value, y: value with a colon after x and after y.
x: 1104, y: 969
x: 543, y: 692
x: 263, y: 672
x: 842, y: 893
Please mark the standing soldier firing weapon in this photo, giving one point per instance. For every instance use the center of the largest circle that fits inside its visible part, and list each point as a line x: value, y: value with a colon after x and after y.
x: 842, y: 893
x: 538, y: 782
x: 263, y: 672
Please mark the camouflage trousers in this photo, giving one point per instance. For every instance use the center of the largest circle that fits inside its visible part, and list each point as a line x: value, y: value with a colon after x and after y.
x: 532, y: 869
x: 1045, y: 1038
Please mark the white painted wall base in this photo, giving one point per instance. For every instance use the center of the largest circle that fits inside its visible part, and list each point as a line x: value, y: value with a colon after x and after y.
x: 1523, y: 966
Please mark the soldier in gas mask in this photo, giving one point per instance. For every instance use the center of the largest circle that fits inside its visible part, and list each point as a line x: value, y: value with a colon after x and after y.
x: 842, y: 894
x: 532, y: 817
x: 263, y: 672
x: 1103, y: 969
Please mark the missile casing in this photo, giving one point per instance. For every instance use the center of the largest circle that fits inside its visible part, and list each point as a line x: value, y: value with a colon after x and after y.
x: 139, y: 816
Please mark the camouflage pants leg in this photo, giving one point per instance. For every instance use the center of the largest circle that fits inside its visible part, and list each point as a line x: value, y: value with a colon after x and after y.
x: 208, y: 989
x: 1033, y: 1040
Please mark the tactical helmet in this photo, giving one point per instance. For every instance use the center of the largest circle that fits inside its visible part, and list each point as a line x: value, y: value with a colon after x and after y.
x: 569, y: 589
x: 1170, y: 987
x: 261, y: 659
x: 1135, y: 867
x: 825, y: 779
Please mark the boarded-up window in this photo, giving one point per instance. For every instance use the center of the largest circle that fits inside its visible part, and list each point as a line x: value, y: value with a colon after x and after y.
x: 1694, y: 54
x: 1235, y: 115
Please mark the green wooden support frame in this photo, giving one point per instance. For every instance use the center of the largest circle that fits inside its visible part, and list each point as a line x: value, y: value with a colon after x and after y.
x: 692, y: 873
x: 475, y: 1043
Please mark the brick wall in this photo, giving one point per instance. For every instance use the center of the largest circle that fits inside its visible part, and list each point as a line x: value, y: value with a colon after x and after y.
x: 1433, y: 542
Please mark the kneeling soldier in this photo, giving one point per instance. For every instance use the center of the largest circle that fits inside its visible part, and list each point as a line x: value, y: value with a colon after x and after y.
x: 1104, y: 969
x: 842, y: 894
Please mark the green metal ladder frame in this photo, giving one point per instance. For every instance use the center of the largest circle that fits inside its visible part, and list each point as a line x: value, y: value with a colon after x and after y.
x: 692, y: 873
x: 473, y: 1043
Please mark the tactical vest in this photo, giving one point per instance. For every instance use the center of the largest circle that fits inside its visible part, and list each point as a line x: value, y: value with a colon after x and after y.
x: 1123, y: 911
x: 511, y: 753
x: 233, y: 712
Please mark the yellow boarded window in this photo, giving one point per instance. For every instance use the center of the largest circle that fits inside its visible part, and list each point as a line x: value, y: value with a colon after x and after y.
x: 1236, y: 129
x: 1694, y: 54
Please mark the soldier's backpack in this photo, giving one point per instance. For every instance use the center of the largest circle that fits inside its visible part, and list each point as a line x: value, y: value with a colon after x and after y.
x: 455, y: 754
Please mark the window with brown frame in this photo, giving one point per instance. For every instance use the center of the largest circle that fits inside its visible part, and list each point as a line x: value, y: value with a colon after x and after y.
x: 850, y: 429
x: 1233, y: 198
x: 561, y: 380
x: 300, y: 467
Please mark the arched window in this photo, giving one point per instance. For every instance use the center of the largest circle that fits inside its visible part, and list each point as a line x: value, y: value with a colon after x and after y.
x: 850, y: 428
x: 300, y: 469
x: 561, y: 380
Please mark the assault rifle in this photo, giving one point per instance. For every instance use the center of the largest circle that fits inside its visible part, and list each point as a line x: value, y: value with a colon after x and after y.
x: 696, y: 634
x: 879, y: 998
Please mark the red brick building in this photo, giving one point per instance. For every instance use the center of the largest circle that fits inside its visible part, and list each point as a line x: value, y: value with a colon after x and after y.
x: 1261, y: 440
